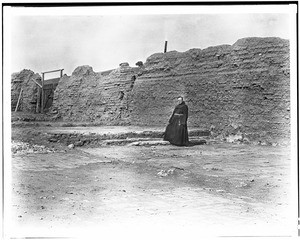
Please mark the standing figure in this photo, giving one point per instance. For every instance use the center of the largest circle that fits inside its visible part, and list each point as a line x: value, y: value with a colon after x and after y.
x: 176, y: 132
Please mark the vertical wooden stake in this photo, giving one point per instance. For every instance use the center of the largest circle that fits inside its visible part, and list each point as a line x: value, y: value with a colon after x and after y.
x: 166, y: 45
x: 38, y: 99
x: 42, y: 103
x: 16, y: 109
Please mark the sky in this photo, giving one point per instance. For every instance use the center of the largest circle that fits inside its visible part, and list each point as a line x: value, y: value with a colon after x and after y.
x: 48, y: 42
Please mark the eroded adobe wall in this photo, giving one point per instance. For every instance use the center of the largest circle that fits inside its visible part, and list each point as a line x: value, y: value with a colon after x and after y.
x: 24, y: 80
x: 87, y: 96
x: 240, y: 88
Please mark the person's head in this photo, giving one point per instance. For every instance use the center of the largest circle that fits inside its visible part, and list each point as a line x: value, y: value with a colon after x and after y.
x: 180, y: 99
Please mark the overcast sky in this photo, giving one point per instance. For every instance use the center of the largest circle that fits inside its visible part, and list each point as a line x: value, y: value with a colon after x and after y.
x: 42, y: 43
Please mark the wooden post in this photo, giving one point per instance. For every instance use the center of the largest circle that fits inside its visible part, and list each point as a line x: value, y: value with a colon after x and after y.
x: 61, y: 73
x: 42, y: 103
x: 16, y: 109
x: 37, y: 83
x: 38, y: 100
x: 166, y: 44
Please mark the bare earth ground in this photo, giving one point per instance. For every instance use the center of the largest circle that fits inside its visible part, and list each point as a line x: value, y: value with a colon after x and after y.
x: 219, y: 188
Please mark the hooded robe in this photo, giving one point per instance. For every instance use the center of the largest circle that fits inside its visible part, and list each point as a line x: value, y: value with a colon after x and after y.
x: 176, y: 132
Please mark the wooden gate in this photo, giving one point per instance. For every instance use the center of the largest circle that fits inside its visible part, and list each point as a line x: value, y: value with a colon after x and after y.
x: 46, y: 91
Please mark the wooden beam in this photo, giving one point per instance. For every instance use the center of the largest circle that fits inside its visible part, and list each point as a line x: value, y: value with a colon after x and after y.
x: 166, y: 46
x: 53, y: 71
x: 38, y: 100
x: 42, y: 103
x: 16, y: 109
x: 37, y: 83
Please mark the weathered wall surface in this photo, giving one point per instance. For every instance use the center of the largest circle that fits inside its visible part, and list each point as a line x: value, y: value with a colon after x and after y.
x: 244, y: 87
x: 240, y: 88
x: 23, y: 80
x: 95, y: 97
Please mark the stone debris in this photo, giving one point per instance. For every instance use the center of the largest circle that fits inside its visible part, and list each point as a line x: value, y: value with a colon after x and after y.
x: 220, y: 191
x: 209, y: 167
x: 149, y: 143
x: 234, y: 138
x: 164, y: 173
x: 216, y: 169
x: 23, y: 148
x: 71, y: 146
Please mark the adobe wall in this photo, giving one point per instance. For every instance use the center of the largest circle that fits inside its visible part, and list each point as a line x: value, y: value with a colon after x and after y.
x: 240, y: 88
x: 244, y: 87
x: 87, y: 96
x: 23, y: 80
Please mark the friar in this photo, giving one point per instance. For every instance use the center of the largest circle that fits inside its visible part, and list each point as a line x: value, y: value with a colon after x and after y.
x: 176, y: 131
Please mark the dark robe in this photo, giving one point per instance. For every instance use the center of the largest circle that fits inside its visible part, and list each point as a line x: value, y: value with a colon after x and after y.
x: 176, y: 132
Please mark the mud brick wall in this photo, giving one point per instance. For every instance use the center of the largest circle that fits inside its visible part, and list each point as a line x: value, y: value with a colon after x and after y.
x: 87, y: 96
x: 240, y: 88
x: 23, y: 80
x: 228, y: 89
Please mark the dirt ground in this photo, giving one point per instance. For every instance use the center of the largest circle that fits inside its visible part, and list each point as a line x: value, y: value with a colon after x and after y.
x: 218, y: 189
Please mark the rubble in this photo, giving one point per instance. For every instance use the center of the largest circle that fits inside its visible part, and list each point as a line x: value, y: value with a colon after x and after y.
x: 23, y: 147
x: 71, y: 146
x: 171, y: 171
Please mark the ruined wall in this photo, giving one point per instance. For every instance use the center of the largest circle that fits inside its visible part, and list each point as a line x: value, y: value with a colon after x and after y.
x: 23, y: 80
x: 95, y: 97
x: 243, y: 87
x: 240, y: 88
